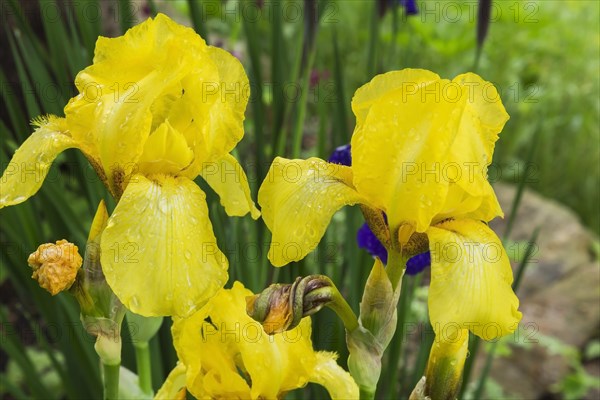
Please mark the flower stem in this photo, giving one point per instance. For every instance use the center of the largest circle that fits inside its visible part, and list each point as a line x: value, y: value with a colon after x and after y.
x: 395, y: 268
x: 344, y: 311
x: 111, y: 381
x: 366, y: 394
x: 144, y: 370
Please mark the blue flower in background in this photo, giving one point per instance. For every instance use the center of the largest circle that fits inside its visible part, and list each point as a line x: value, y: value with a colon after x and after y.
x: 341, y: 155
x: 418, y: 263
x: 365, y: 238
x: 410, y: 6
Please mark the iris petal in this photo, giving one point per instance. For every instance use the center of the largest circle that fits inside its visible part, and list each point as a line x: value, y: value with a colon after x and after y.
x: 298, y: 199
x: 159, y: 253
x: 113, y: 109
x: 403, y: 136
x: 228, y: 179
x: 335, y: 379
x: 31, y: 162
x: 482, y: 118
x: 228, y: 355
x: 470, y: 280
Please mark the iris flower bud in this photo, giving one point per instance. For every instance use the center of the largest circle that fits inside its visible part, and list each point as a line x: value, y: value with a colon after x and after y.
x: 55, y: 266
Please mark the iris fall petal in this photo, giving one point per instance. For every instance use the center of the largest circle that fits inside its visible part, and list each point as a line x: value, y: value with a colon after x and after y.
x: 159, y: 253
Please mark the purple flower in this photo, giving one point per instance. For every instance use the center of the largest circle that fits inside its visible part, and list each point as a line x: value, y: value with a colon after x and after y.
x: 410, y: 6
x: 367, y: 240
x: 341, y: 155
x: 418, y: 263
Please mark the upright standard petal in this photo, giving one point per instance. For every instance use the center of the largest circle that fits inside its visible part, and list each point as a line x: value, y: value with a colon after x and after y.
x: 216, y: 104
x: 400, y: 148
x: 470, y: 281
x: 30, y: 164
x: 482, y: 118
x: 298, y: 199
x: 159, y: 253
x: 405, y: 81
x: 227, y: 177
x: 122, y: 96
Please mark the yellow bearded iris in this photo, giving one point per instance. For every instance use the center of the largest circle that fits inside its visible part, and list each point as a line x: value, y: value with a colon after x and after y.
x: 157, y: 108
x: 225, y: 354
x: 420, y: 152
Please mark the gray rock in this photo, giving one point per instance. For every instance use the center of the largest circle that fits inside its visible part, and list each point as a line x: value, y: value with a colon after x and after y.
x: 559, y: 293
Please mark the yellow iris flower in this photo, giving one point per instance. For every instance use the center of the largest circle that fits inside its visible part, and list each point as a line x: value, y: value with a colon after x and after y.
x: 420, y: 152
x: 225, y: 354
x: 157, y: 108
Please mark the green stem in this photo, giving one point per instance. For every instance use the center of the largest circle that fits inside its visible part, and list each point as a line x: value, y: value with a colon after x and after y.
x: 395, y: 268
x: 144, y: 370
x: 344, y: 311
x: 366, y: 394
x: 111, y: 381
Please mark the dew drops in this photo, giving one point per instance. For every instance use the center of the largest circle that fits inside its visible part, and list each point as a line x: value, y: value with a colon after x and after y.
x: 135, y: 302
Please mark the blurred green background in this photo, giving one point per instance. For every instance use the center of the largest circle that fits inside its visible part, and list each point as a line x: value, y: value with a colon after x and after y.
x: 305, y: 60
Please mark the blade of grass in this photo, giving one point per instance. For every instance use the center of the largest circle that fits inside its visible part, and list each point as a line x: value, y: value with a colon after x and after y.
x: 198, y: 19
x: 483, y: 24
x: 341, y: 115
x: 125, y: 14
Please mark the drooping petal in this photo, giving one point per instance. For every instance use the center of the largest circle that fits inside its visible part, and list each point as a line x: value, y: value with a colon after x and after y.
x: 159, y: 253
x: 405, y: 127
x: 298, y: 199
x: 228, y: 355
x: 335, y: 379
x: 227, y: 177
x: 30, y: 164
x: 482, y: 118
x: 470, y: 280
x: 174, y: 386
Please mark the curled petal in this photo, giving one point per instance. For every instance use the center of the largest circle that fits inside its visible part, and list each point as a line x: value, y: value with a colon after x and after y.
x: 470, y: 281
x: 159, y: 253
x: 30, y: 164
x: 174, y: 386
x: 227, y: 116
x: 335, y: 379
x: 298, y: 199
x: 228, y: 179
x: 228, y: 355
x: 215, y: 105
x: 482, y: 118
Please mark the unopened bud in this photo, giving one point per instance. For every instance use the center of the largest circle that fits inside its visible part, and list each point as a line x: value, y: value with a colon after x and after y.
x: 55, y: 266
x: 281, y: 307
x: 443, y: 375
